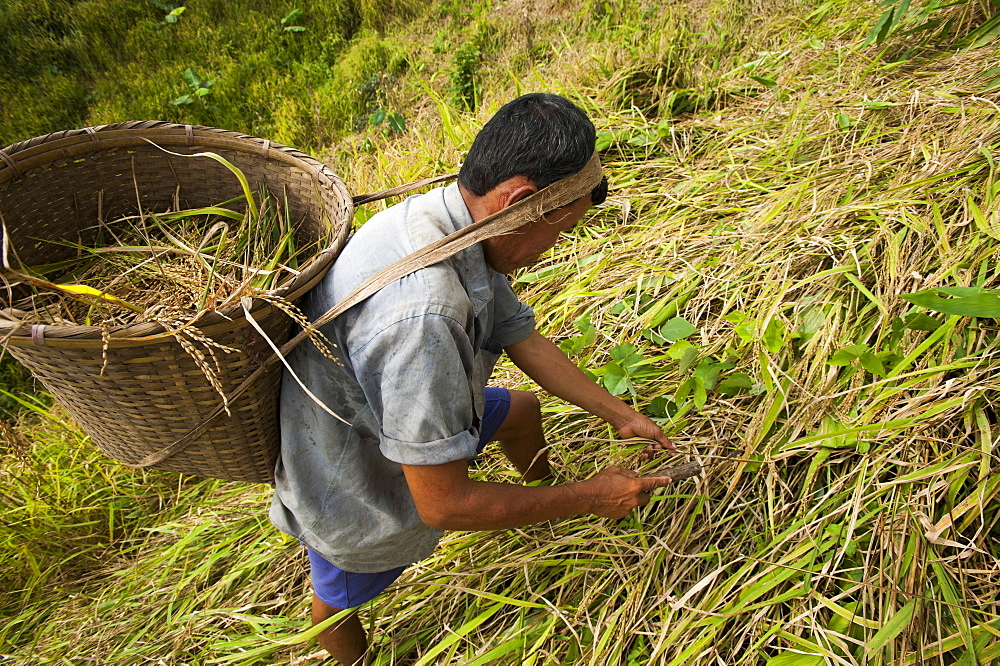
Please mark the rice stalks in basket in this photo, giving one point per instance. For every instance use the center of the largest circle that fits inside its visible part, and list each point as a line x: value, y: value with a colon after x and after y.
x: 170, y: 268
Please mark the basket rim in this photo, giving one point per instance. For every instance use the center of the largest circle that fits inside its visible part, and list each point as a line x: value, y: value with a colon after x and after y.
x: 18, y: 160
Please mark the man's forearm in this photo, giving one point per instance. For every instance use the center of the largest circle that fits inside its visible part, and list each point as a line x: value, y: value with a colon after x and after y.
x: 447, y: 499
x: 497, y: 506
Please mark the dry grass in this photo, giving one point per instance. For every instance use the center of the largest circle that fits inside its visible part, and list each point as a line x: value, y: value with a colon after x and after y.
x: 168, y: 267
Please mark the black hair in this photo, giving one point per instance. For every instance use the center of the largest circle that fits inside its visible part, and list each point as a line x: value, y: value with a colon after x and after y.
x: 540, y: 136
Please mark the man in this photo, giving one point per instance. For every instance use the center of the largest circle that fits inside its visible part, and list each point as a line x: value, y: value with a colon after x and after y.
x: 371, y: 496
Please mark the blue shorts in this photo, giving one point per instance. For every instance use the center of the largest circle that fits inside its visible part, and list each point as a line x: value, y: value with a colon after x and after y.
x: 345, y: 589
x: 497, y: 407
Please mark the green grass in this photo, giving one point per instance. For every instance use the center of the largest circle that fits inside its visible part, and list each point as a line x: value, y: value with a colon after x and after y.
x: 71, y: 63
x: 776, y: 188
x: 16, y: 379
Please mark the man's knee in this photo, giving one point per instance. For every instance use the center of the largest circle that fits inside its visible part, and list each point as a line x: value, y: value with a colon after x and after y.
x: 523, y: 419
x: 526, y: 401
x: 525, y: 407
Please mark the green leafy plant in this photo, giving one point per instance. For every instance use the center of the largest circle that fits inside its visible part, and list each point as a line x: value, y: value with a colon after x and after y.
x: 703, y: 379
x: 812, y: 320
x: 735, y: 384
x: 772, y: 335
x: 395, y: 121
x: 288, y: 23
x: 618, y: 376
x: 575, y: 345
x: 672, y: 330
x: 915, y: 321
x: 465, y: 89
x: 172, y: 12
x: 863, y: 355
x: 199, y: 88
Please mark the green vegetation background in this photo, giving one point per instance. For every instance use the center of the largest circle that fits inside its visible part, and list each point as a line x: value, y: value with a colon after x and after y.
x: 304, y: 82
x: 782, y: 171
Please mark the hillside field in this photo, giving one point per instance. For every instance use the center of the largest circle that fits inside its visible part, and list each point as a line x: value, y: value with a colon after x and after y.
x: 795, y: 273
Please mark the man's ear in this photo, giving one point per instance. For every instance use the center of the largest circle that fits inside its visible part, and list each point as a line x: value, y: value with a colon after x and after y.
x: 505, y: 194
x: 515, y: 189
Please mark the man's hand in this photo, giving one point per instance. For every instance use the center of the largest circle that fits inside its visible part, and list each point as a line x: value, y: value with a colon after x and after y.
x: 614, y: 492
x: 642, y: 426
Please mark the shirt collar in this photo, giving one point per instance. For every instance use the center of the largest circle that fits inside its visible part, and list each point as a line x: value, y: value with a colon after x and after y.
x: 471, y: 263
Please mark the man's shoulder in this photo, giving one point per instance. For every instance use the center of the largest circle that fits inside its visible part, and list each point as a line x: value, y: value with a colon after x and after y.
x: 420, y: 218
x: 394, y: 233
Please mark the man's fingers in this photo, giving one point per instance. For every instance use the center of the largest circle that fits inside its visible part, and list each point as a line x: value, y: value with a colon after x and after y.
x: 657, y: 448
x: 648, y: 483
x: 665, y: 442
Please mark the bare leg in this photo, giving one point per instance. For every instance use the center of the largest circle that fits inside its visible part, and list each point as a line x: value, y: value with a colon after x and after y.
x: 345, y: 640
x: 521, y: 437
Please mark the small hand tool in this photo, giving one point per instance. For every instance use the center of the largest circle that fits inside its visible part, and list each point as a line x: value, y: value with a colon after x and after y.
x: 678, y: 472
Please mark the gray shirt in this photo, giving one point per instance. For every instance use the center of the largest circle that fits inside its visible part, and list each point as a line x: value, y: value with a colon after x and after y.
x: 411, y: 369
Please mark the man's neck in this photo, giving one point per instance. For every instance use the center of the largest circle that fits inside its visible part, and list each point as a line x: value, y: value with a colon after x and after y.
x: 478, y: 208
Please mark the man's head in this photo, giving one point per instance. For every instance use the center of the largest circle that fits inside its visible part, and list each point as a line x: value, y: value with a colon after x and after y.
x: 540, y: 136
x: 529, y: 144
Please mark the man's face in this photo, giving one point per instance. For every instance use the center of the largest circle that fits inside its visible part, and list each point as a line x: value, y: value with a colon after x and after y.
x: 523, y: 247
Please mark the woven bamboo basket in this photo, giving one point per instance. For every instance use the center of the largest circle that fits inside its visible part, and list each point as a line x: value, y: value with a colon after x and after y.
x: 134, y: 389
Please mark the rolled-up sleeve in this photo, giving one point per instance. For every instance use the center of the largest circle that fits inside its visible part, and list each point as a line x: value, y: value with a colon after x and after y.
x: 415, y: 375
x: 513, y: 320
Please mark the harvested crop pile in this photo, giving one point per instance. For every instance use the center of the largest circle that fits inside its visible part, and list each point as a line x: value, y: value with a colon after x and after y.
x: 166, y: 267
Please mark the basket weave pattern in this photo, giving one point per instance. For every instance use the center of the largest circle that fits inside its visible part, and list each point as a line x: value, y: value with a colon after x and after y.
x: 134, y: 389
